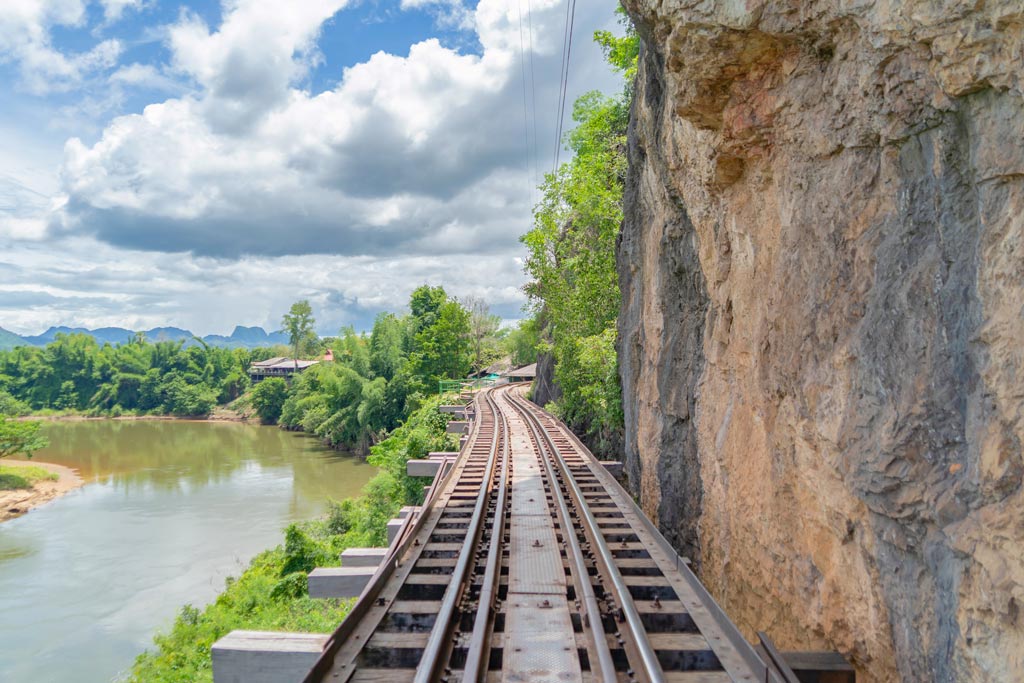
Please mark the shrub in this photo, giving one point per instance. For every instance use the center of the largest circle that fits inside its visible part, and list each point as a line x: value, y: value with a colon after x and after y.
x: 12, y: 406
x: 268, y: 399
x: 271, y: 594
x: 293, y: 585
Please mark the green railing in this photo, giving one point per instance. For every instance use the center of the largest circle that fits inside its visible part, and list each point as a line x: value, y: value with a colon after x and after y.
x: 447, y: 385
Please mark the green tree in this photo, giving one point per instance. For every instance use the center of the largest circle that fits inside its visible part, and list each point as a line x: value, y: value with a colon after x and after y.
x: 234, y: 385
x: 12, y: 406
x: 443, y: 348
x: 268, y: 399
x: 19, y: 437
x: 351, y: 350
x: 387, y: 341
x: 482, y: 325
x: 571, y: 253
x: 187, y: 399
x: 424, y: 305
x: 622, y: 52
x: 75, y: 373
x: 298, y: 322
x: 522, y: 342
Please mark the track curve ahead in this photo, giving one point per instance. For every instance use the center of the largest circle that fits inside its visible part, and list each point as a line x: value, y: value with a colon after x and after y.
x: 529, y: 562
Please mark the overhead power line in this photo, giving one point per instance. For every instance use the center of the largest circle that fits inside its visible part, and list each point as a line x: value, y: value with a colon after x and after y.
x: 533, y: 93
x: 570, y: 19
x: 530, y: 164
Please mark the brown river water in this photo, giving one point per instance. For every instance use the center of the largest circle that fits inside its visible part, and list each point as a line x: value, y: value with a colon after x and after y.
x: 168, y: 511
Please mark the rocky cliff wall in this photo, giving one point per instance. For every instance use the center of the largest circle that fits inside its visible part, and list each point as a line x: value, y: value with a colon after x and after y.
x: 822, y: 325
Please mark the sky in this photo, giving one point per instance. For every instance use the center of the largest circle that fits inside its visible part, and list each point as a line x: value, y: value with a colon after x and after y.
x: 205, y: 163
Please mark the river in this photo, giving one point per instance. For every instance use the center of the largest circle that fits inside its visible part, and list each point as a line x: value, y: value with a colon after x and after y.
x: 168, y: 511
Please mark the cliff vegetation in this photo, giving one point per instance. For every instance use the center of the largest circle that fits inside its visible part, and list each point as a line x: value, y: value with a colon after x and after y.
x: 574, y: 291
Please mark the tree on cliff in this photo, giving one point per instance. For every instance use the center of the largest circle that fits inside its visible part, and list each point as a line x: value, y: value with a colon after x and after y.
x: 19, y: 437
x: 574, y: 286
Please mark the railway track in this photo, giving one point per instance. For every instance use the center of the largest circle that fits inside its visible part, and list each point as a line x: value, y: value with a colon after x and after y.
x: 529, y: 562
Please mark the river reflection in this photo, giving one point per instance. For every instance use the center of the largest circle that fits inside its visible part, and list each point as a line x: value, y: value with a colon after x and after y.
x: 169, y: 510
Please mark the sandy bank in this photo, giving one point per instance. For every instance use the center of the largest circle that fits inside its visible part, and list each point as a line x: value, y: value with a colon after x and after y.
x: 18, y: 502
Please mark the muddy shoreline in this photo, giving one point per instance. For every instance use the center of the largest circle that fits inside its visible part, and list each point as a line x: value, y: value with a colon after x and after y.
x: 19, y: 501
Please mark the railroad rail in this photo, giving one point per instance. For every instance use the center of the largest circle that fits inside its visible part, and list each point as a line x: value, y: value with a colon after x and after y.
x: 529, y: 562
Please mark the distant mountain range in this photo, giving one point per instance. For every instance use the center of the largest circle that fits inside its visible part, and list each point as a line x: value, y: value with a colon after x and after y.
x: 241, y: 337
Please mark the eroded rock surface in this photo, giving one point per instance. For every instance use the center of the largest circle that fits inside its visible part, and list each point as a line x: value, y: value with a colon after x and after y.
x: 822, y: 328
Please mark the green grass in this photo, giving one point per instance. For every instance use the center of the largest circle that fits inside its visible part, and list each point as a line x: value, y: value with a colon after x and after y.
x: 260, y: 599
x: 12, y: 478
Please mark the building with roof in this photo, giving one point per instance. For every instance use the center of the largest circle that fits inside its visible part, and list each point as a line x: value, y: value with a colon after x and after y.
x: 527, y: 373
x: 494, y: 370
x: 278, y: 366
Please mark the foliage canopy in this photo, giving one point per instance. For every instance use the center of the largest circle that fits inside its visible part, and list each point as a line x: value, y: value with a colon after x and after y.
x: 75, y: 373
x: 574, y: 291
x: 19, y: 437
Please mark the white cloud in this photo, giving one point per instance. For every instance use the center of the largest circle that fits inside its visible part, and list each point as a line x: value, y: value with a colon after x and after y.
x: 449, y: 13
x: 247, y: 66
x: 89, y: 284
x: 417, y: 152
x: 12, y: 227
x: 243, y: 191
x: 144, y: 76
x: 114, y: 9
x: 25, y: 39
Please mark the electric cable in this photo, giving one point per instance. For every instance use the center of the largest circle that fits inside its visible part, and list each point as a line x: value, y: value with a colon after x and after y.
x: 565, y: 86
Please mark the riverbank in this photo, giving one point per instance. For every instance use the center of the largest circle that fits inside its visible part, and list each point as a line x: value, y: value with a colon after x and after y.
x: 219, y: 414
x: 16, y: 502
x: 238, y: 410
x: 271, y: 594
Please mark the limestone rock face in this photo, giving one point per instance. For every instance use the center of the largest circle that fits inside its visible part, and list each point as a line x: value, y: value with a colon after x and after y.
x: 822, y: 324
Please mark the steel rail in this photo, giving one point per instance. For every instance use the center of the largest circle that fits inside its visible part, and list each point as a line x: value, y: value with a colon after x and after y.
x: 754, y: 663
x: 579, y: 568
x: 648, y: 657
x: 432, y: 653
x: 476, y: 667
x: 385, y: 570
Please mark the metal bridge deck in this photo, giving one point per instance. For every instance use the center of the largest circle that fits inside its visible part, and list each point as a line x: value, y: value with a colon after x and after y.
x: 529, y: 562
x: 538, y: 627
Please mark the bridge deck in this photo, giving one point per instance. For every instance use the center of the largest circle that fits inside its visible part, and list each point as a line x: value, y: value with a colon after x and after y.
x: 528, y: 562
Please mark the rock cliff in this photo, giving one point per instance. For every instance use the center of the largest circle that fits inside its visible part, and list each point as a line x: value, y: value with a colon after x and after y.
x: 822, y: 324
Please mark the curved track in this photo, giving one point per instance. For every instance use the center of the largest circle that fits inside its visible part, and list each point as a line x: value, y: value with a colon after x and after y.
x: 529, y: 562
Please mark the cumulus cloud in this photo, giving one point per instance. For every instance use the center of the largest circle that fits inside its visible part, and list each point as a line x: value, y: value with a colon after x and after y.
x: 25, y: 39
x: 415, y: 153
x: 144, y: 76
x: 114, y: 9
x: 247, y: 66
x: 82, y: 283
x: 242, y: 190
x: 449, y: 13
